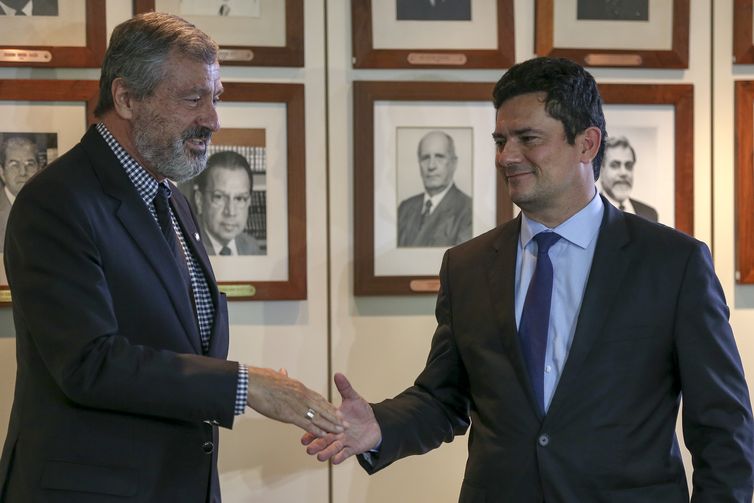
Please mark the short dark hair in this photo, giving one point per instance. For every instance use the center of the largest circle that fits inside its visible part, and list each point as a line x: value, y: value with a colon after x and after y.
x: 227, y: 159
x: 571, y: 93
x: 139, y: 49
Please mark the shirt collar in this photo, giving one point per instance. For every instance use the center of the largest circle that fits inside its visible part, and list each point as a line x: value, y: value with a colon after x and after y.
x: 146, y: 185
x: 580, y: 229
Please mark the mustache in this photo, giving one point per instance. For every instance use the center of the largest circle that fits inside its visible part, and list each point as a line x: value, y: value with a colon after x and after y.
x: 200, y: 132
x: 515, y: 169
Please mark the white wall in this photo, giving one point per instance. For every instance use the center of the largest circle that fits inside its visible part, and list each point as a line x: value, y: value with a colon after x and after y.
x: 381, y: 343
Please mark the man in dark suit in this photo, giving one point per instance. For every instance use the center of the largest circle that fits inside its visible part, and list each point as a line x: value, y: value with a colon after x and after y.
x: 617, y: 178
x: 121, y: 332
x: 441, y: 215
x: 567, y: 337
x: 28, y: 7
x: 433, y: 10
x: 222, y: 200
x: 19, y: 161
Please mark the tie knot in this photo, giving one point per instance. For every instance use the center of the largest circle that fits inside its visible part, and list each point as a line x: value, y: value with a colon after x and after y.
x: 545, y: 240
x: 163, y: 191
x: 427, y: 207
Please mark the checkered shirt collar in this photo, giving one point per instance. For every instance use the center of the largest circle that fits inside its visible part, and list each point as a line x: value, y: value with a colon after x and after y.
x: 146, y: 185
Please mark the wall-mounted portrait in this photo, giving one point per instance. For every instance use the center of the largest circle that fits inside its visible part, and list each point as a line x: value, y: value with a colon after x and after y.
x: 434, y: 170
x: 28, y: 7
x: 22, y: 155
x: 229, y: 196
x: 631, y: 179
x: 245, y: 8
x: 433, y: 10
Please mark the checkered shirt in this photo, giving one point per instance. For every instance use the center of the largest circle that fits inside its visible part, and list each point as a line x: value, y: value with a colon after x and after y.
x: 146, y: 186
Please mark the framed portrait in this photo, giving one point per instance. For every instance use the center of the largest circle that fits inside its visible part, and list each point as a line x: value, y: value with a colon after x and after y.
x: 53, y: 33
x: 630, y: 33
x: 744, y: 125
x: 38, y: 120
x: 424, y: 180
x: 249, y: 32
x: 743, y: 41
x: 414, y: 33
x: 648, y: 165
x: 251, y: 200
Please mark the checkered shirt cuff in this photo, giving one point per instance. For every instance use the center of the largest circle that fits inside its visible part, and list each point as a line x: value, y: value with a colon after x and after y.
x: 242, y: 389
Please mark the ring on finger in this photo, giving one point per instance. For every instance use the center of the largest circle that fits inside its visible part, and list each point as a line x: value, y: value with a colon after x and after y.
x: 310, y: 413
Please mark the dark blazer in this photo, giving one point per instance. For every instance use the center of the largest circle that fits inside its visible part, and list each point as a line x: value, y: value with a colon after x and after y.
x: 4, y: 212
x: 39, y: 8
x: 449, y: 224
x: 113, y: 399
x: 653, y: 325
x: 245, y: 243
x: 644, y: 210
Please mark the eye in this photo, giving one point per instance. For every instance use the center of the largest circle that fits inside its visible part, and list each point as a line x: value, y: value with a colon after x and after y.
x: 216, y: 198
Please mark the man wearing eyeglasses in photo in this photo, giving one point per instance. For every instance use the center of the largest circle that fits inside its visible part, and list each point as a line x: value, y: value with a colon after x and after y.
x: 222, y: 200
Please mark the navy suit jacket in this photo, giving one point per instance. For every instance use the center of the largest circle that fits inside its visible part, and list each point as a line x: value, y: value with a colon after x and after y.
x: 449, y: 224
x: 114, y: 400
x: 653, y: 326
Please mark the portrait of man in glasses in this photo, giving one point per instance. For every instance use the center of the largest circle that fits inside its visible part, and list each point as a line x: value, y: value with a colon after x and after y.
x: 222, y: 200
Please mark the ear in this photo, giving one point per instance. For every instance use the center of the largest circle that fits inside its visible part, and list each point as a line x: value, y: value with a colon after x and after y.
x: 590, y: 144
x: 198, y: 203
x: 122, y: 99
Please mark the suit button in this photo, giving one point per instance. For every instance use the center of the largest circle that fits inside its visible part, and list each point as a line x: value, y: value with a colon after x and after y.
x: 208, y: 447
x: 543, y: 440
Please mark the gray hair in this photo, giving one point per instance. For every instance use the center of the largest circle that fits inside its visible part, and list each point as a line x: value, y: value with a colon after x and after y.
x: 16, y: 140
x: 619, y: 141
x: 139, y: 48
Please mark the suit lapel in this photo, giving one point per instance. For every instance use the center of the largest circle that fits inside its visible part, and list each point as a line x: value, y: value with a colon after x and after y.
x: 136, y: 219
x: 502, y: 277
x: 609, y: 267
x: 218, y: 341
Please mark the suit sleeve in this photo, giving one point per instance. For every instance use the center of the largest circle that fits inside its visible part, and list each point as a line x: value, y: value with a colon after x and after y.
x: 67, y: 324
x: 717, y: 419
x: 436, y: 407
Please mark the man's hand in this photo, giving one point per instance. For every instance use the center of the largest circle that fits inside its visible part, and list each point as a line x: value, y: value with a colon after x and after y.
x: 362, y: 431
x: 275, y: 395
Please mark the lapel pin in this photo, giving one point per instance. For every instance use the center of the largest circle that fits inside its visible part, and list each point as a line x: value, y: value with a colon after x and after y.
x: 196, y: 236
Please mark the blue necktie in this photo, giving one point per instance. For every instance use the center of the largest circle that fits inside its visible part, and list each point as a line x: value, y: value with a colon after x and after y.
x: 535, y: 317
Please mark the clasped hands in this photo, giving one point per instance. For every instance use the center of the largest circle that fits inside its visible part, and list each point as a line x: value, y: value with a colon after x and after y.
x: 331, y: 434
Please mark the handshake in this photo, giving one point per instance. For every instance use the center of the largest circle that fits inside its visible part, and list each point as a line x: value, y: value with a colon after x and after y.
x: 331, y: 433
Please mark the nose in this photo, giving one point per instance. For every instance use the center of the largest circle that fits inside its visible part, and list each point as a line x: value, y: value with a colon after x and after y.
x: 507, y: 154
x: 229, y: 209
x: 209, y: 117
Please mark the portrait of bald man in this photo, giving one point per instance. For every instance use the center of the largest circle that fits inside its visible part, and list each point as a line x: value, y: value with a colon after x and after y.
x: 441, y: 214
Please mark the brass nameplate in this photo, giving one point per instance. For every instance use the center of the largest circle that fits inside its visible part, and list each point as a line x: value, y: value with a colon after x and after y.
x: 238, y: 290
x: 613, y: 60
x: 24, y: 56
x: 5, y: 295
x: 235, y: 54
x: 425, y: 285
x: 429, y: 58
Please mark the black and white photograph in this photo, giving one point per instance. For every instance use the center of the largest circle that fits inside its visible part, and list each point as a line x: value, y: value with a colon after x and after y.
x: 638, y: 168
x: 613, y: 10
x: 28, y: 7
x: 22, y: 155
x: 435, y: 212
x: 614, y: 33
x: 616, y: 182
x: 411, y: 156
x: 246, y: 8
x: 433, y: 10
x: 229, y: 200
